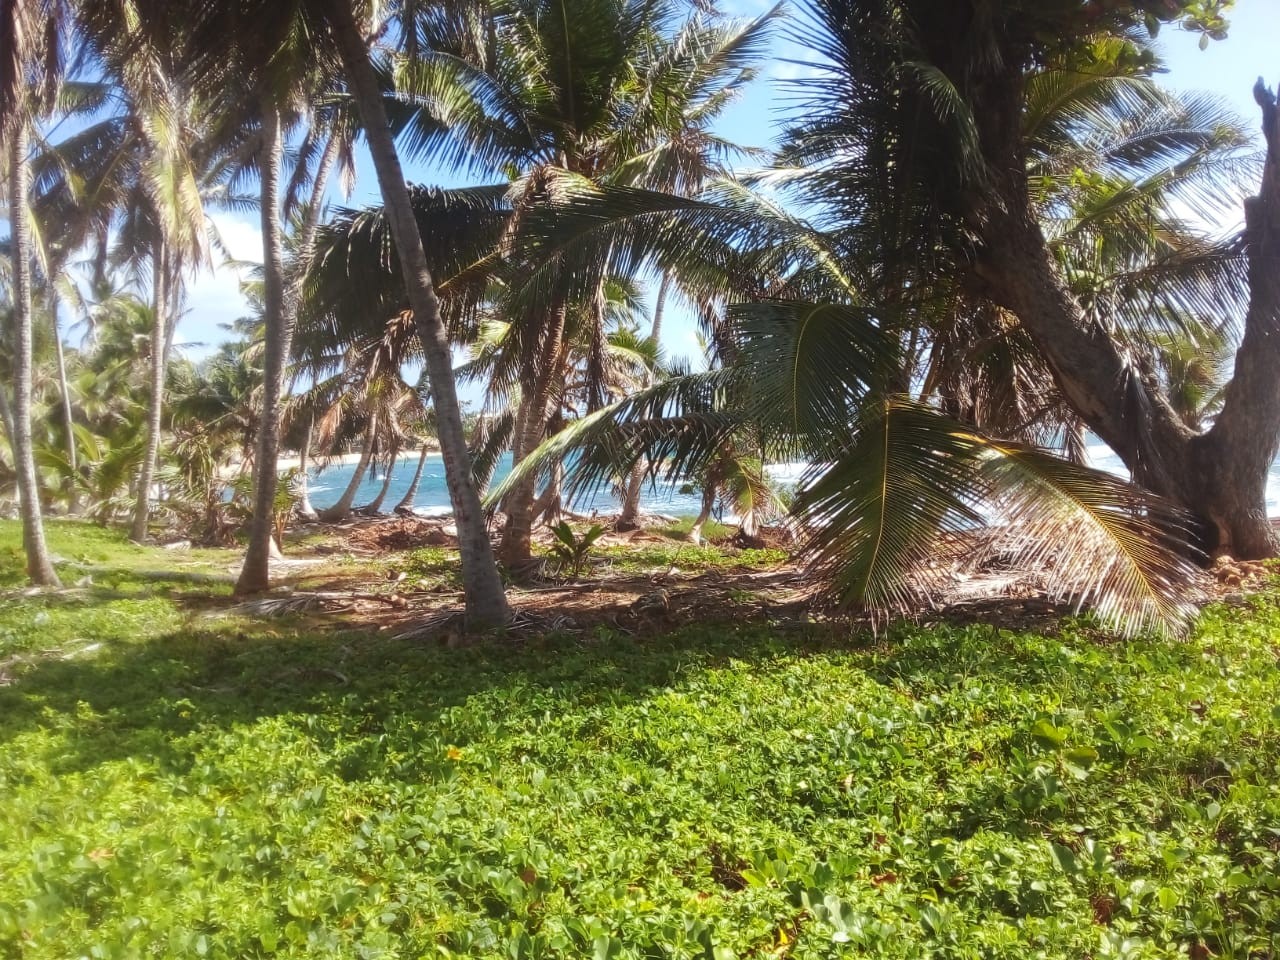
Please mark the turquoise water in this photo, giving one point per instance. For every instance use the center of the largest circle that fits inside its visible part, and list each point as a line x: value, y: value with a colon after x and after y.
x: 433, y: 497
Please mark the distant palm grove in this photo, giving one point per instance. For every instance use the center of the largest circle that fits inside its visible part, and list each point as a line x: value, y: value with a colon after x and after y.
x: 984, y: 235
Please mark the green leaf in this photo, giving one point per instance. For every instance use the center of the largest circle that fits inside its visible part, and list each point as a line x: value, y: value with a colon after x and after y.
x: 1047, y: 735
x: 1083, y: 756
x: 1064, y: 859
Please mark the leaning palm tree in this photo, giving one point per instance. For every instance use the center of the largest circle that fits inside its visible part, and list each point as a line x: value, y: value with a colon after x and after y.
x: 228, y: 41
x: 617, y: 91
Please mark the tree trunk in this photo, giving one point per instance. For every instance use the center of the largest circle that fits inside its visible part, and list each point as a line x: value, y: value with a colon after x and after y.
x: 64, y: 390
x: 375, y: 505
x: 305, y: 510
x: 1220, y: 476
x: 406, y: 502
x: 342, y: 509
x: 482, y: 586
x: 1229, y: 465
x: 628, y: 518
x: 549, y: 507
x: 708, y: 504
x: 517, y: 536
x: 255, y: 575
x: 39, y: 565
x: 155, y: 403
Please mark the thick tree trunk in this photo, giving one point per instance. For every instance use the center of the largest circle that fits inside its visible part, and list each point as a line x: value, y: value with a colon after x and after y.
x: 517, y: 536
x: 255, y: 575
x: 629, y: 516
x: 1220, y: 476
x: 305, y: 510
x: 482, y: 586
x: 39, y: 565
x: 406, y: 502
x: 155, y: 402
x: 372, y: 507
x: 1228, y: 466
x: 342, y: 509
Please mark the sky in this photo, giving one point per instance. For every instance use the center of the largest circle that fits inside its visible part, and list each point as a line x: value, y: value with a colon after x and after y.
x: 1228, y: 68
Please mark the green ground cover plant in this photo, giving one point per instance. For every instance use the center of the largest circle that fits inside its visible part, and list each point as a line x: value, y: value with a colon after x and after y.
x: 179, y: 784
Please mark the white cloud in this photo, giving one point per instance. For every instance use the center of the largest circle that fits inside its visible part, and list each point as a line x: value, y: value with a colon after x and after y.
x: 213, y: 295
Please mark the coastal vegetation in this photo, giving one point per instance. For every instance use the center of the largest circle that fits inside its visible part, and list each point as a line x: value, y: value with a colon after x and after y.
x: 183, y: 778
x: 954, y: 692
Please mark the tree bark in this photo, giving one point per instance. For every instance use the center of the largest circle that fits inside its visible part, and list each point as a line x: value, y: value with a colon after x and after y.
x: 39, y: 565
x: 406, y: 502
x: 1229, y: 465
x: 255, y: 575
x: 628, y: 517
x: 64, y: 390
x: 517, y: 536
x: 372, y: 507
x: 305, y: 510
x: 549, y: 507
x: 342, y: 509
x: 1218, y: 477
x: 486, y: 601
x: 155, y: 402
x: 708, y: 504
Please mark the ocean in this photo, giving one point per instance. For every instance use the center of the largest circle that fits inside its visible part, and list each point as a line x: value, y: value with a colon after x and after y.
x: 328, y: 483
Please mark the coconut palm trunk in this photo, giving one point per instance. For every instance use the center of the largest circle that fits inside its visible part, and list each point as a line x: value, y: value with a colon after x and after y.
x: 255, y: 575
x: 517, y: 536
x: 39, y: 565
x: 342, y: 509
x: 629, y: 516
x: 406, y: 502
x: 486, y: 602
x: 305, y: 509
x: 64, y: 392
x: 155, y: 403
x: 1218, y: 476
x: 375, y: 505
x: 708, y: 504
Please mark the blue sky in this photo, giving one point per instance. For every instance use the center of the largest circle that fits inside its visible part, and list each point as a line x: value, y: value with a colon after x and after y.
x: 1227, y: 68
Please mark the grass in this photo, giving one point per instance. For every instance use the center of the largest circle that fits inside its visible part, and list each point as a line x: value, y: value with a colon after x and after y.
x: 685, y: 557
x: 178, y: 785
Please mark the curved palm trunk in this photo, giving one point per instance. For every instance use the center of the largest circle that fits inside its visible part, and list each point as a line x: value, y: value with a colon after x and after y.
x: 406, y: 502
x: 155, y: 403
x: 482, y: 586
x: 39, y: 565
x: 375, y: 504
x: 708, y: 504
x: 68, y: 420
x: 1220, y: 476
x: 517, y: 536
x: 549, y: 507
x: 342, y: 509
x: 255, y: 575
x: 628, y: 518
x: 305, y: 509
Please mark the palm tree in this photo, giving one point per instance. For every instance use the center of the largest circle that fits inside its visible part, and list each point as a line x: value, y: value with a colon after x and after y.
x: 293, y: 77
x: 21, y: 38
x: 226, y: 42
x: 951, y: 121
x: 611, y: 94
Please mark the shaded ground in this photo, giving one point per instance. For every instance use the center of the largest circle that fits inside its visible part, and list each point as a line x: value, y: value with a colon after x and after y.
x: 179, y: 784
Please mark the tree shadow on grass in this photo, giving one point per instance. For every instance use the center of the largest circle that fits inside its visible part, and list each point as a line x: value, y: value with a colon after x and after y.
x: 146, y: 698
